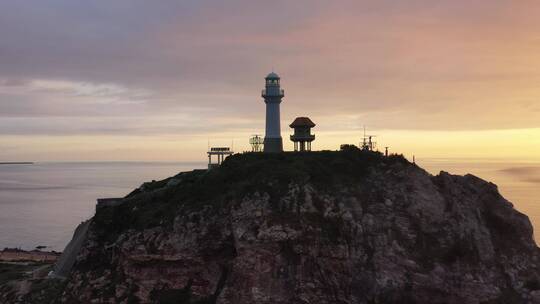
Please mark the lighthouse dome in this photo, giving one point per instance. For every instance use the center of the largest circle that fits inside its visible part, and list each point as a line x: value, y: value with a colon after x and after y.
x: 272, y: 76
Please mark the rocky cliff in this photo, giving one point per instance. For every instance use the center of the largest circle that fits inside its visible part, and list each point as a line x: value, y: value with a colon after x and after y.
x: 322, y: 227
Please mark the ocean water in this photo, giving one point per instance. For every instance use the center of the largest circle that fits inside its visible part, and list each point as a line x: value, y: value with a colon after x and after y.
x: 41, y: 204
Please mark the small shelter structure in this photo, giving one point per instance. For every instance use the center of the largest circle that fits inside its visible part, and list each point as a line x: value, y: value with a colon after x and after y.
x: 302, y: 136
x: 221, y: 153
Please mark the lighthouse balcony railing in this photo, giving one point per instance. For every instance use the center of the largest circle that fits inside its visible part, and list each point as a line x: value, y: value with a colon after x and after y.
x: 271, y: 92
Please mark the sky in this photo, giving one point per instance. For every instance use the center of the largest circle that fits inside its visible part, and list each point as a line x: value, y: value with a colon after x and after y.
x: 159, y: 80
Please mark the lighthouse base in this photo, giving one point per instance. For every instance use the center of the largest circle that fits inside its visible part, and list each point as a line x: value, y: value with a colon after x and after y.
x: 273, y: 145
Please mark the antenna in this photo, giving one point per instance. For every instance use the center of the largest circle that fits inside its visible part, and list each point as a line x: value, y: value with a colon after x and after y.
x: 368, y: 143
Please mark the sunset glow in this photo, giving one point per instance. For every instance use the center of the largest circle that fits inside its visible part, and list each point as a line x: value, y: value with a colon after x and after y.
x: 138, y: 80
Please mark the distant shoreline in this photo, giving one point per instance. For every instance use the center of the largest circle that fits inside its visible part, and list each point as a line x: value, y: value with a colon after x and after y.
x: 16, y: 163
x: 19, y: 255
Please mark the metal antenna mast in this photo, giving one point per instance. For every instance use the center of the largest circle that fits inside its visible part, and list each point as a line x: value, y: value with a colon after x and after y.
x: 368, y: 143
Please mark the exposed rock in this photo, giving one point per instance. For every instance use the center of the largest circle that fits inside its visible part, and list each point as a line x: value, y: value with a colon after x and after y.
x: 326, y: 227
x: 63, y: 266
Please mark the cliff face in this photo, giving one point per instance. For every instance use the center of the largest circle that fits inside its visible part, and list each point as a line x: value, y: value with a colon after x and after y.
x: 325, y: 227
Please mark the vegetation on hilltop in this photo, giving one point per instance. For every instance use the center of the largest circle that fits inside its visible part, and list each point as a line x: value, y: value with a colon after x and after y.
x: 157, y: 202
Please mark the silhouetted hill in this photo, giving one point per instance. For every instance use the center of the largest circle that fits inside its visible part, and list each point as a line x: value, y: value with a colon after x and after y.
x: 320, y: 227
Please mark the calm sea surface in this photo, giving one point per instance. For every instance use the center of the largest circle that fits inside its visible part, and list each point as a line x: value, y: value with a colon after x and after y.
x: 41, y: 204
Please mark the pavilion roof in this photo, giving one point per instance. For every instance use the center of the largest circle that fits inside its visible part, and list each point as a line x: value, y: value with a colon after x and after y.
x: 302, y: 122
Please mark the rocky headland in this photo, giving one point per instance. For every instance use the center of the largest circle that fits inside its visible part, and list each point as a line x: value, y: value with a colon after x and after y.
x: 297, y: 228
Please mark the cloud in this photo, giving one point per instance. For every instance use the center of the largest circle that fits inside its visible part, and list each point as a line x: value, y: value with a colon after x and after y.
x: 72, y: 89
x: 45, y: 97
x: 180, y: 124
x: 460, y: 65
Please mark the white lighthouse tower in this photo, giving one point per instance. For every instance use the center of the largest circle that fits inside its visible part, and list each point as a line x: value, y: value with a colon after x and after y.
x: 272, y: 95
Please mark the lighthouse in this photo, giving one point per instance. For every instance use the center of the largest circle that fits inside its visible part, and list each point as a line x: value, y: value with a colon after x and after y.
x: 272, y: 95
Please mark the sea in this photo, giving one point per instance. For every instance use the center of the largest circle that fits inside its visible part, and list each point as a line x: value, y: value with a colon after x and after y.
x: 42, y: 203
